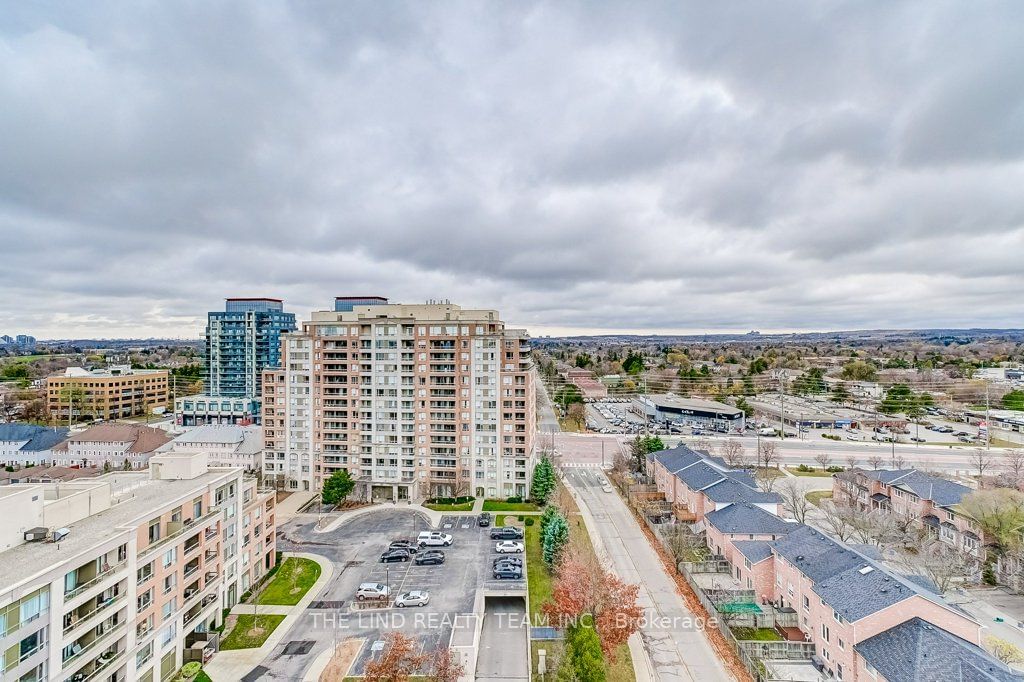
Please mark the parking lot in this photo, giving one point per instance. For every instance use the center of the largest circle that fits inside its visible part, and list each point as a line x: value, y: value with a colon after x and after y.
x: 355, y: 548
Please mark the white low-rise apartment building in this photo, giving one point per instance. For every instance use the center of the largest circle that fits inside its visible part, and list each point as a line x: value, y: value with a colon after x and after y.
x: 228, y: 445
x: 122, y: 577
x: 112, y: 444
x: 413, y: 401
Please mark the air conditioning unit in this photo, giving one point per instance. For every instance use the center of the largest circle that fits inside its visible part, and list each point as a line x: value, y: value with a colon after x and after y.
x: 36, y: 534
x: 60, y: 533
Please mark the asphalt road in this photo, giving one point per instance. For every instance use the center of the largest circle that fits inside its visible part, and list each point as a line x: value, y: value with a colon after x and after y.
x: 581, y: 448
x: 355, y: 549
x: 679, y: 650
x: 503, y: 640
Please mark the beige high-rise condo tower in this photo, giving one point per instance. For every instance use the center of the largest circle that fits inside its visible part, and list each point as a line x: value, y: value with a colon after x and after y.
x: 415, y: 401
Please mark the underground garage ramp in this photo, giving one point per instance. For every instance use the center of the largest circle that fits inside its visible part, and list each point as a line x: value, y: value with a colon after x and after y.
x: 504, y: 652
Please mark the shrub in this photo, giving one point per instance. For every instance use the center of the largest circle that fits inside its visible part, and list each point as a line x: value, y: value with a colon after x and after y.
x: 190, y: 670
x: 803, y: 468
x: 834, y: 469
x: 529, y: 521
x: 514, y: 500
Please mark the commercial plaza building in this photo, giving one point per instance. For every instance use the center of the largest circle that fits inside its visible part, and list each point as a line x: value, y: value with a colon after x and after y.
x: 412, y: 400
x: 123, y: 576
x: 112, y: 393
x: 708, y: 414
x: 241, y: 341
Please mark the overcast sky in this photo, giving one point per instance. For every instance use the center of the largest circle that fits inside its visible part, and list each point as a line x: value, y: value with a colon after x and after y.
x: 579, y: 166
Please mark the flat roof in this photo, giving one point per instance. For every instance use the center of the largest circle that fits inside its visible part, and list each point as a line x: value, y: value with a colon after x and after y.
x: 690, y: 403
x: 257, y: 298
x: 139, y: 495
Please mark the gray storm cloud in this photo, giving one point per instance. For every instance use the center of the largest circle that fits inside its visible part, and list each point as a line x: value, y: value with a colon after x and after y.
x: 578, y: 165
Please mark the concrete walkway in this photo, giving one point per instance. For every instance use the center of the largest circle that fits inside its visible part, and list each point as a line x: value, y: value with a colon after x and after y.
x: 233, y: 665
x: 478, y: 505
x: 289, y: 506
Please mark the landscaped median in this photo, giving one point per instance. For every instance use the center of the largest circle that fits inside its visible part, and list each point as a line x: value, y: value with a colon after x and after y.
x: 293, y: 579
x: 250, y: 631
x: 541, y: 584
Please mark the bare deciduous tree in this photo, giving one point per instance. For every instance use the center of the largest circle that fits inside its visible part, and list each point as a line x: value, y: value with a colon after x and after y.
x: 1012, y: 465
x: 823, y: 459
x: 767, y: 465
x: 982, y: 462
x: 838, y: 519
x: 852, y: 462
x: 941, y: 563
x: 733, y: 453
x: 875, y: 462
x: 794, y: 499
x: 899, y: 461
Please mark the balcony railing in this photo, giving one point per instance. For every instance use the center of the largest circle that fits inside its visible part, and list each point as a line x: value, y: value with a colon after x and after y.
x: 106, y: 605
x: 213, y: 513
x: 103, y: 665
x: 102, y: 639
x: 106, y: 573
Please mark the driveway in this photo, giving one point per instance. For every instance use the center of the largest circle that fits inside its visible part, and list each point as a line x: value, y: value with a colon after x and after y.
x: 678, y: 649
x: 503, y: 641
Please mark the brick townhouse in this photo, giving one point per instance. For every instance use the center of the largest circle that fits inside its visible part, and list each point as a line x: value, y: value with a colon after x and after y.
x: 866, y: 623
x: 696, y: 484
x: 929, y: 500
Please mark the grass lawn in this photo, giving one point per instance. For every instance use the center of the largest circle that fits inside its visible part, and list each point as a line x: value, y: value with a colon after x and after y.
x: 202, y: 677
x: 815, y: 497
x: 538, y: 581
x: 498, y: 505
x: 461, y: 507
x: 243, y: 637
x: 620, y: 671
x: 813, y: 472
x: 758, y: 634
x: 292, y: 580
x: 570, y: 425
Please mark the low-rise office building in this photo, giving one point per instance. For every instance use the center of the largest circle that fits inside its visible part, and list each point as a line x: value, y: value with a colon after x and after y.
x: 227, y: 445
x: 197, y: 410
x: 124, y: 576
x: 709, y: 414
x: 112, y: 393
x: 112, y: 443
x: 24, y: 444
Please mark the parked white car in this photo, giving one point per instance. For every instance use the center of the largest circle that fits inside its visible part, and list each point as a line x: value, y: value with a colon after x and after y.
x: 372, y: 591
x: 413, y: 598
x: 434, y: 539
x: 508, y: 547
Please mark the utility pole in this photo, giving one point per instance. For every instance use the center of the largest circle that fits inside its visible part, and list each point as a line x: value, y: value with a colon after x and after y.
x: 779, y: 373
x: 988, y: 419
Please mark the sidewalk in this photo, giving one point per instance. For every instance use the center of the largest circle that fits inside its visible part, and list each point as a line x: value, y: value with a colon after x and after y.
x: 233, y: 665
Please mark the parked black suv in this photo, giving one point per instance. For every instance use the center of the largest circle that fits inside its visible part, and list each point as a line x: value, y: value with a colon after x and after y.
x: 509, y: 560
x: 430, y: 556
x: 395, y: 554
x: 483, y: 520
x: 507, y: 533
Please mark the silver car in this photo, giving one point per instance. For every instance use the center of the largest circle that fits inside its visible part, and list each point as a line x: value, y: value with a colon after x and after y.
x: 413, y: 598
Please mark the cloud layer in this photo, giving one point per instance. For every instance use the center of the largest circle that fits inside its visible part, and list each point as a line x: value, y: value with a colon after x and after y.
x: 579, y: 166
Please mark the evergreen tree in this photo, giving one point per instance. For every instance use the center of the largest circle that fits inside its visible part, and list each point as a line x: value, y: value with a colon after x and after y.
x: 545, y: 518
x: 543, y: 481
x: 554, y: 539
x: 583, y: 649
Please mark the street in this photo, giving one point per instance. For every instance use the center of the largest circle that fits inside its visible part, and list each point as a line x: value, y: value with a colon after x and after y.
x: 678, y: 649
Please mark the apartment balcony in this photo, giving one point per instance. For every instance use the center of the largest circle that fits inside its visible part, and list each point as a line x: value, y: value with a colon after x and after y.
x: 102, y: 635
x: 91, y: 612
x: 188, y: 527
x: 191, y: 568
x: 107, y: 661
x: 201, y: 609
x: 92, y: 582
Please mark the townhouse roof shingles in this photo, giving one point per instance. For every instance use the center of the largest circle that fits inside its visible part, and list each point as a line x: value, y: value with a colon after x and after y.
x: 861, y: 590
x: 816, y: 555
x: 143, y: 439
x: 711, y: 476
x: 917, y: 651
x: 754, y: 550
x: 38, y: 438
x: 745, y: 518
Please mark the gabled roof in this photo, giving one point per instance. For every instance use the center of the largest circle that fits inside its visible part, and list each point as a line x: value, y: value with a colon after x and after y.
x: 917, y: 651
x: 816, y: 555
x: 862, y: 590
x: 754, y: 550
x: 699, y: 475
x: 886, y: 476
x: 939, y: 490
x: 730, y: 491
x: 37, y: 438
x: 745, y: 518
x: 143, y: 439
